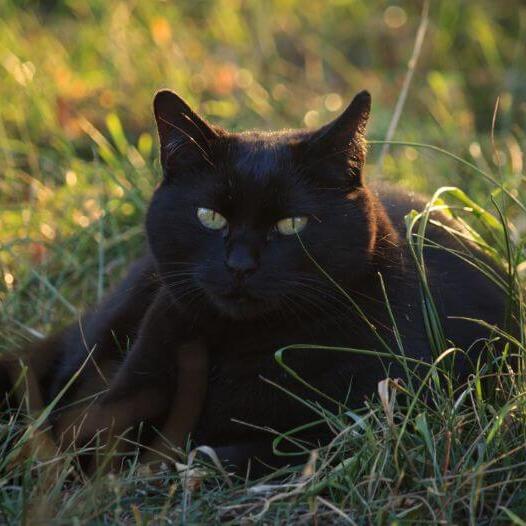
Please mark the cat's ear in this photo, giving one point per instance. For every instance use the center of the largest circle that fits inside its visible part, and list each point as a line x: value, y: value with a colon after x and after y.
x: 343, y: 139
x: 181, y: 130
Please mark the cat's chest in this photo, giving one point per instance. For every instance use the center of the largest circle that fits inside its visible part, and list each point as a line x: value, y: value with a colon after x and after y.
x: 246, y: 341
x: 249, y: 382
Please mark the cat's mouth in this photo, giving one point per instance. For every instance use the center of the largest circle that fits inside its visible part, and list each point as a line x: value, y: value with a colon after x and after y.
x: 235, y: 299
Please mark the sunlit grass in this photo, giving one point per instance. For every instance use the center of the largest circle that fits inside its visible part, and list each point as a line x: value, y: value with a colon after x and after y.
x: 78, y: 162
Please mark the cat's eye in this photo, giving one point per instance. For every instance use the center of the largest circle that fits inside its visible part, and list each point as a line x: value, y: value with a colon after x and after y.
x: 211, y: 219
x: 291, y: 225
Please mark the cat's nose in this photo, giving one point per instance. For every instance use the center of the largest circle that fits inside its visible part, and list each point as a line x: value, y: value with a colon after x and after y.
x: 241, y: 261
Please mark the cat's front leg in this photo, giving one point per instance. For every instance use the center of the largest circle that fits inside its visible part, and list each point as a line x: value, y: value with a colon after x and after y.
x: 186, y: 406
x: 147, y: 386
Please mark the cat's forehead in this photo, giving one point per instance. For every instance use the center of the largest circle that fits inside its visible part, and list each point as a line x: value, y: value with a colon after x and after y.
x: 260, y: 174
x: 259, y: 156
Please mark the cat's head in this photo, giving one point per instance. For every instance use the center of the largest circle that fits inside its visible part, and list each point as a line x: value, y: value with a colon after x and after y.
x: 245, y: 221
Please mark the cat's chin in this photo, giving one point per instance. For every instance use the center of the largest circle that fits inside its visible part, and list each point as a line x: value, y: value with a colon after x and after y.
x: 241, y: 307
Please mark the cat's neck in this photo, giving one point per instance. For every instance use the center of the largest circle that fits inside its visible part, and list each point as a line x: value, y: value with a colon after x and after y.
x: 384, y: 250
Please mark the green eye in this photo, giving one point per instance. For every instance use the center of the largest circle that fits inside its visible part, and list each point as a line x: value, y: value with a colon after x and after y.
x: 211, y: 219
x: 291, y: 225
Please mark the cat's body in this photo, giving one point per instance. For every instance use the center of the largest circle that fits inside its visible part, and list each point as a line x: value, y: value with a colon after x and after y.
x: 245, y: 290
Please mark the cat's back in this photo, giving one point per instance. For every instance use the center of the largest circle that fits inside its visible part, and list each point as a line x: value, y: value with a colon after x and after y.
x: 106, y: 331
x: 397, y: 202
x: 457, y: 270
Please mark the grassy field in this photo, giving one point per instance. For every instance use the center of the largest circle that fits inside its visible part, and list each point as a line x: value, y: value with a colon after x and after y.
x: 78, y: 162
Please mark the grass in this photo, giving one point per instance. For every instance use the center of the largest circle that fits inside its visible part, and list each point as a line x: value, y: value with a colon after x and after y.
x: 78, y: 162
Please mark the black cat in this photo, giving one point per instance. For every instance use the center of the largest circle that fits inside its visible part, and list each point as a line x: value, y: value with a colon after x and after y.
x: 258, y: 241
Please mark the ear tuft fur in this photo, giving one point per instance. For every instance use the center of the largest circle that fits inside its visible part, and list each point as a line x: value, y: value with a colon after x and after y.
x: 178, y: 125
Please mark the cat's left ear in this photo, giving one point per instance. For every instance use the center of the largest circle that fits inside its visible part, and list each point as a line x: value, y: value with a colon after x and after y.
x: 181, y: 130
x: 343, y: 139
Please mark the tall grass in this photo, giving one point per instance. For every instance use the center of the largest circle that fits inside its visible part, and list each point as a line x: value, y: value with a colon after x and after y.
x: 78, y: 164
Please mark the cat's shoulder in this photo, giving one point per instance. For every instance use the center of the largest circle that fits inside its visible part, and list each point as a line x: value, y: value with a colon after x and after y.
x: 397, y: 201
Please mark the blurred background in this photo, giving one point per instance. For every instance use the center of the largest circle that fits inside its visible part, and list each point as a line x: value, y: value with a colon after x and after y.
x: 78, y: 150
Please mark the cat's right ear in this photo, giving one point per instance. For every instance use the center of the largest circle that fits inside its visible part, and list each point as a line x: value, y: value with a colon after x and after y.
x: 182, y: 133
